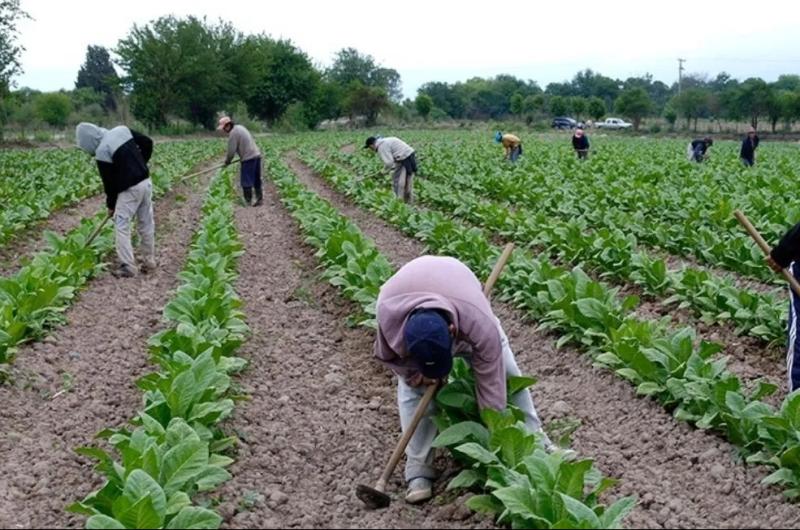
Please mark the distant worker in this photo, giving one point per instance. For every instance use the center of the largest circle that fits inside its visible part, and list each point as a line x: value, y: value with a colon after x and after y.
x: 241, y: 142
x: 787, y: 255
x: 697, y: 150
x: 512, y: 145
x: 122, y: 156
x: 431, y: 310
x: 580, y: 142
x: 398, y: 157
x: 749, y: 146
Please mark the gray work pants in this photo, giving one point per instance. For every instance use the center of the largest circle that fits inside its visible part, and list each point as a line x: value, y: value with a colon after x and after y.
x: 136, y: 201
x: 403, y: 183
x: 419, y: 454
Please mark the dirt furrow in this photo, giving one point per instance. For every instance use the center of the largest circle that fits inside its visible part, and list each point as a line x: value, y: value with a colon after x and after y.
x: 683, y: 476
x: 81, y: 378
x: 321, y: 416
x: 22, y: 248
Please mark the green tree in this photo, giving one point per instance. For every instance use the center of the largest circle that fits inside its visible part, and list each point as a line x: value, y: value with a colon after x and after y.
x: 365, y: 101
x: 350, y: 65
x: 635, y: 104
x: 534, y: 103
x: 10, y: 14
x: 596, y: 108
x: 53, y: 108
x: 184, y: 67
x: 517, y: 103
x: 755, y: 97
x: 578, y: 104
x: 559, y: 105
x: 671, y: 115
x: 424, y: 105
x: 282, y: 75
x: 692, y: 103
x: 98, y: 74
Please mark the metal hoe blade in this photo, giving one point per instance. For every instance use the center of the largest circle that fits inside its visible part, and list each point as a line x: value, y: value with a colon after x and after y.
x: 373, y: 498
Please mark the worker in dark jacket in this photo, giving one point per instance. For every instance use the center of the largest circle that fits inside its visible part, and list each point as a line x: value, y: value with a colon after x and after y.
x: 122, y: 156
x: 697, y: 150
x: 580, y: 142
x: 787, y: 255
x: 749, y: 146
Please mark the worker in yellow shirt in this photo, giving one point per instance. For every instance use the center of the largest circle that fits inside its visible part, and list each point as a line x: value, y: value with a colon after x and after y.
x: 512, y: 145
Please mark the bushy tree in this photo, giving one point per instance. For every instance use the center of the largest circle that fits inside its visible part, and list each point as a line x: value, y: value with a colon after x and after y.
x: 53, y: 108
x: 692, y: 103
x: 635, y: 104
x: 424, y: 105
x: 349, y: 65
x: 365, y: 101
x: 282, y: 75
x: 10, y: 15
x: 98, y: 74
x: 559, y: 105
x: 517, y: 103
x: 596, y: 108
x: 184, y: 67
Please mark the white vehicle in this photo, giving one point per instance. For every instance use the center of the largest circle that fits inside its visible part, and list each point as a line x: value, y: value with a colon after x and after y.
x: 613, y: 123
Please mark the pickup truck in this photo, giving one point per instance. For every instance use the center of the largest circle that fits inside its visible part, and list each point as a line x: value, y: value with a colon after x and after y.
x: 613, y: 123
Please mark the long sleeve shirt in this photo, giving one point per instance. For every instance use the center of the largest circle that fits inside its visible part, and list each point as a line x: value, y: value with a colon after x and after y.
x: 241, y: 142
x: 445, y: 284
x: 509, y: 142
x: 122, y: 158
x: 788, y: 250
x: 580, y: 143
x: 393, y: 150
x: 749, y: 147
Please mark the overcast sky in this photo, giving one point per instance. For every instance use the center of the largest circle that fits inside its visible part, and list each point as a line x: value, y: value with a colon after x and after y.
x: 450, y: 41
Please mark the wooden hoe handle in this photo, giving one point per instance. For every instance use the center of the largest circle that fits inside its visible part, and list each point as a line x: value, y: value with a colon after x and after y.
x: 498, y: 268
x: 742, y: 218
x: 401, y: 445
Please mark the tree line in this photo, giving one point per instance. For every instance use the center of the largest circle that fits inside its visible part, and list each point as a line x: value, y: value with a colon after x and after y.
x: 188, y: 70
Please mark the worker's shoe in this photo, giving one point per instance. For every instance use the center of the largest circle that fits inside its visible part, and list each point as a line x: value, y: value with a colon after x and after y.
x: 259, y: 202
x: 148, y: 266
x: 419, y: 490
x: 123, y: 271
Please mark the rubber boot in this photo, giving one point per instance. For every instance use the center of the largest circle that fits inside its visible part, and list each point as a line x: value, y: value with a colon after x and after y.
x: 259, y: 196
x: 248, y: 195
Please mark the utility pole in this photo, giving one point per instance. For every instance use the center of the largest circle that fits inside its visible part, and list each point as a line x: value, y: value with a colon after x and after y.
x: 680, y: 74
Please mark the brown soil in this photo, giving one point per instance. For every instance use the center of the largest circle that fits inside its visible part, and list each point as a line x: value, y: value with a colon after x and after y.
x: 321, y: 416
x: 15, y: 254
x: 81, y: 379
x: 684, y: 477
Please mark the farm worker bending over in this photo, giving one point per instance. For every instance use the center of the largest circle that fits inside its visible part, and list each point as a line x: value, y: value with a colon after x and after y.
x: 580, y: 142
x: 400, y: 158
x: 787, y: 254
x: 432, y: 309
x: 512, y: 145
x: 241, y: 142
x: 696, y: 150
x: 122, y: 156
x: 749, y: 146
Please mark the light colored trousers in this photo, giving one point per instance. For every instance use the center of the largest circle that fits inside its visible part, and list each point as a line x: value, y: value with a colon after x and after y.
x: 403, y: 183
x: 135, y: 201
x: 419, y: 454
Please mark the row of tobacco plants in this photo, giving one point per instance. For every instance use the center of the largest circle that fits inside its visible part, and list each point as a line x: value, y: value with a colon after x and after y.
x: 670, y: 365
x: 175, y: 448
x: 33, y: 300
x: 516, y: 480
